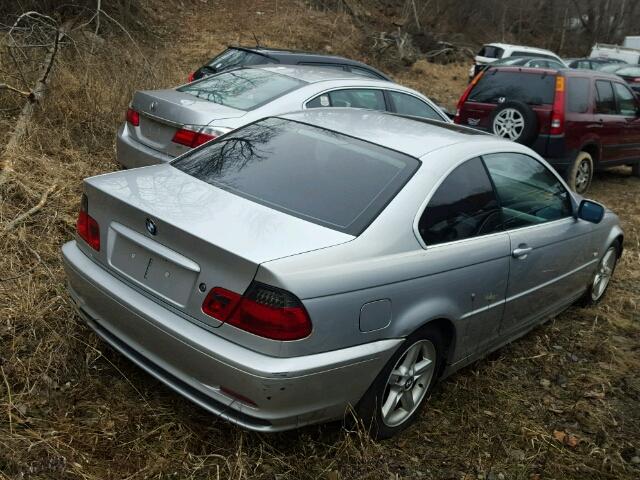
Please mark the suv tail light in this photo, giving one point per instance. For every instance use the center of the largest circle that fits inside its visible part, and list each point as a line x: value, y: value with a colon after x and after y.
x: 465, y: 95
x: 86, y: 226
x: 191, y: 77
x: 195, y: 135
x: 133, y: 117
x: 557, y: 113
x: 263, y: 310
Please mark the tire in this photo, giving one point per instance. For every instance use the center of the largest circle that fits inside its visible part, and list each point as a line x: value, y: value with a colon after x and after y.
x: 635, y: 169
x: 515, y: 121
x: 579, y: 175
x: 607, y: 266
x: 381, y: 395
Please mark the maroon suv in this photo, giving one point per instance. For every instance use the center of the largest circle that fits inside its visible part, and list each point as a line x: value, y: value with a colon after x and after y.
x: 578, y: 120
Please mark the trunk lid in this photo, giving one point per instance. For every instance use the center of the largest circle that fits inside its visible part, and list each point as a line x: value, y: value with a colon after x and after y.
x: 163, y: 112
x: 203, y: 235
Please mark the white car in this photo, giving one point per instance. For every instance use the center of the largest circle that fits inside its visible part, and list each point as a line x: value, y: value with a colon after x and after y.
x: 491, y: 52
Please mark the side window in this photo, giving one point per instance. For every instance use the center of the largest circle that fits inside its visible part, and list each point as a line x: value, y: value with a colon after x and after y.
x: 408, y: 105
x: 584, y: 64
x: 358, y: 98
x: 529, y: 193
x: 605, y: 103
x: 577, y: 94
x: 463, y: 206
x: 364, y: 72
x: 626, y: 101
x: 319, y: 101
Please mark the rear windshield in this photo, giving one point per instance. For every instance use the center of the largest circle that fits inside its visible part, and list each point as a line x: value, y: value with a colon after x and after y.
x: 318, y: 175
x: 242, y: 89
x: 490, y: 52
x: 234, y: 58
x: 498, y: 86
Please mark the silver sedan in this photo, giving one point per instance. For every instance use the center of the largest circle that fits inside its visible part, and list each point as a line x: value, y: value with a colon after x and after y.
x: 332, y: 258
x: 162, y: 124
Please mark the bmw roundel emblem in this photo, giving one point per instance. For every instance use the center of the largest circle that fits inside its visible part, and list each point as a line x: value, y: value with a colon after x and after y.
x: 151, y: 227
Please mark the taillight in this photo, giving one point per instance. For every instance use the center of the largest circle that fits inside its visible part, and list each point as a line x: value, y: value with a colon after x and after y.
x: 195, y: 135
x: 86, y: 226
x: 557, y: 113
x: 465, y: 95
x: 265, y: 311
x: 133, y: 117
x: 191, y: 77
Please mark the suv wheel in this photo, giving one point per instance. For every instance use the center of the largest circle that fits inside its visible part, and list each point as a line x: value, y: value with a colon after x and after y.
x: 515, y: 121
x: 396, y: 396
x: 580, y: 173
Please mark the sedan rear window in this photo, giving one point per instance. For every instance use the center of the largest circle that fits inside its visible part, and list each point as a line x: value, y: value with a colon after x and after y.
x: 315, y: 174
x: 242, y: 89
x: 497, y: 86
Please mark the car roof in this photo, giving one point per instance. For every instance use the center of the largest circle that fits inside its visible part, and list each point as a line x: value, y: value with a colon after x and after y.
x: 573, y: 72
x: 301, y: 55
x: 313, y: 74
x: 410, y: 135
x: 519, y: 47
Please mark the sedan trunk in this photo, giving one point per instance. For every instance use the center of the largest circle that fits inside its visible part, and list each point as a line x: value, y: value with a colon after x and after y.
x: 175, y: 237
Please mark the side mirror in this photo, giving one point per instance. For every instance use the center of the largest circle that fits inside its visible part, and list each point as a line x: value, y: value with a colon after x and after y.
x: 590, y: 211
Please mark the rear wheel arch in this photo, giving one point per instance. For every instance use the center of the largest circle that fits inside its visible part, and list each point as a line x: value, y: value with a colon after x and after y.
x: 448, y: 330
x: 592, y: 149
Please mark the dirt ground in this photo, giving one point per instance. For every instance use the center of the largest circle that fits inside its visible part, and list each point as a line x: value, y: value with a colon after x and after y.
x: 561, y: 403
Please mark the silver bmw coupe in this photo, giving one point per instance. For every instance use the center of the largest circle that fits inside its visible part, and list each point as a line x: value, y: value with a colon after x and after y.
x: 330, y: 258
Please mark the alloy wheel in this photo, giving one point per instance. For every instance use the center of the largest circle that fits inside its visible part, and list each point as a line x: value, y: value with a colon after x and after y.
x: 603, y: 275
x: 583, y: 176
x: 408, y: 383
x: 509, y: 123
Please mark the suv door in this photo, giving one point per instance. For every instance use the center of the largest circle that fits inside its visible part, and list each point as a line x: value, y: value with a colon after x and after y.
x: 612, y: 125
x: 550, y: 252
x: 460, y: 229
x: 627, y: 107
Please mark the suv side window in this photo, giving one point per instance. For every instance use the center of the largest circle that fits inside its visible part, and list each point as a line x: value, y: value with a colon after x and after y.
x: 578, y: 94
x: 353, y: 97
x: 528, y: 192
x: 463, y: 206
x: 409, y: 105
x: 625, y: 100
x: 605, y: 102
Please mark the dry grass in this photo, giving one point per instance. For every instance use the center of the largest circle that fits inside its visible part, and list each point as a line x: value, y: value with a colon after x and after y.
x: 71, y: 408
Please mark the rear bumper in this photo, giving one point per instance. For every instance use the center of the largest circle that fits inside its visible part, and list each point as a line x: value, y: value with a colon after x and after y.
x: 289, y: 392
x: 132, y: 154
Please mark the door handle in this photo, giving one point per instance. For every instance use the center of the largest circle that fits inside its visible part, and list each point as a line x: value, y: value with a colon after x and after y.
x: 522, y: 251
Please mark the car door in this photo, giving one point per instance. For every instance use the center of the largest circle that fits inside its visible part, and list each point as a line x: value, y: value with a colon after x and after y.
x: 627, y: 107
x: 406, y: 104
x: 460, y: 230
x: 369, y: 98
x: 550, y: 260
x: 611, y: 129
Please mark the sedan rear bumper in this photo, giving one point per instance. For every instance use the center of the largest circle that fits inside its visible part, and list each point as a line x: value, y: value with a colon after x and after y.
x: 132, y: 154
x: 287, y: 392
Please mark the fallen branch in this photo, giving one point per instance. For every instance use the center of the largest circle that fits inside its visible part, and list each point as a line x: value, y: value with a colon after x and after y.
x: 6, y: 86
x: 37, y: 94
x: 20, y: 218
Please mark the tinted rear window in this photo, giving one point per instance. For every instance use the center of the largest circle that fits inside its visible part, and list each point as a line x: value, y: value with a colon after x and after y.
x: 490, y: 52
x: 308, y: 172
x: 242, y: 89
x: 578, y: 94
x: 531, y: 88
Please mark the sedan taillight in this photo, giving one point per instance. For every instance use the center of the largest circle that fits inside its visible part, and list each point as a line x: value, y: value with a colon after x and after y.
x: 133, y: 117
x: 263, y: 310
x: 195, y: 135
x: 86, y: 226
